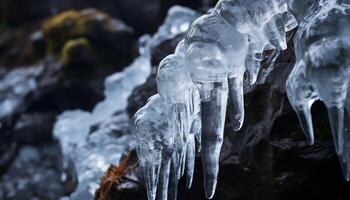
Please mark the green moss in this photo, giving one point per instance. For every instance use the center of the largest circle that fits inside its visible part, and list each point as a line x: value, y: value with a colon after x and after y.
x: 72, y: 24
x: 76, y: 51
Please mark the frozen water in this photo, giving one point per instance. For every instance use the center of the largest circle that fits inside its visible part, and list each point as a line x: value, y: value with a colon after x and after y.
x: 154, y: 130
x: 15, y: 86
x: 181, y: 96
x: 322, y: 46
x: 219, y: 48
x: 264, y: 22
x: 211, y: 44
x: 224, y: 44
x: 177, y: 21
x: 92, y: 160
x: 72, y: 127
x: 229, y: 41
x: 120, y: 85
x: 209, y: 65
x: 206, y: 70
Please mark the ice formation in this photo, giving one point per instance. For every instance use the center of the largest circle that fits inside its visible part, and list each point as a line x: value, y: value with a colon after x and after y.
x: 15, y: 87
x: 156, y: 136
x: 321, y: 72
x: 195, y: 83
x: 92, y: 153
x: 182, y: 97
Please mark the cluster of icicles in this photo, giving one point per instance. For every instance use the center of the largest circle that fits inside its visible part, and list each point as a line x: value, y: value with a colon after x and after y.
x: 206, y: 70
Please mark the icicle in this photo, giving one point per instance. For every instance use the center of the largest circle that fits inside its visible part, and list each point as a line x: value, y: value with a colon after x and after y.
x: 173, y: 181
x: 183, y: 162
x: 195, y: 115
x: 333, y: 92
x: 214, y: 97
x: 150, y: 170
x: 330, y: 80
x: 344, y: 164
x: 253, y: 64
x: 163, y: 182
x: 345, y: 156
x: 236, y: 101
x: 196, y: 130
x: 301, y: 96
x: 152, y: 127
x: 179, y: 115
x: 336, y: 118
x: 190, y: 160
x: 221, y: 53
x: 208, y: 60
x: 305, y: 119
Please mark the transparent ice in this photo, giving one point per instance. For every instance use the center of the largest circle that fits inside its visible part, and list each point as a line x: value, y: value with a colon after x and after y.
x: 182, y: 97
x: 169, y: 121
x: 321, y: 72
x: 153, y: 128
x: 207, y: 69
x: 221, y: 47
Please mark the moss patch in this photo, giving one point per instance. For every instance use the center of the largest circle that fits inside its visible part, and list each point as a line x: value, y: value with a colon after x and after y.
x: 71, y: 24
x: 76, y: 51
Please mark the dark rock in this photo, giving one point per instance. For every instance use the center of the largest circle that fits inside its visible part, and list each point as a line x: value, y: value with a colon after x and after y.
x: 18, y: 12
x: 140, y: 94
x: 8, y: 152
x: 32, y: 128
x: 108, y: 6
x: 16, y: 47
x: 38, y: 42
